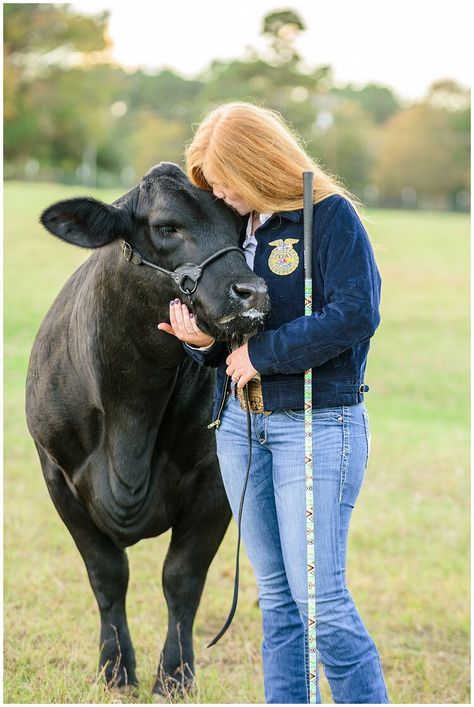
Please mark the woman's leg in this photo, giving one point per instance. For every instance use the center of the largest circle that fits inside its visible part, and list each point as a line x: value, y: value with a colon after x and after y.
x: 283, y: 633
x: 340, y: 451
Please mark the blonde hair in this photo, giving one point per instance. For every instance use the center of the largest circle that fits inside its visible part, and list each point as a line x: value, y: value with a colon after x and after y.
x: 255, y: 153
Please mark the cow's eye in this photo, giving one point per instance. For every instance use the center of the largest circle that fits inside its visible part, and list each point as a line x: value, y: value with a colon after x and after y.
x: 165, y: 230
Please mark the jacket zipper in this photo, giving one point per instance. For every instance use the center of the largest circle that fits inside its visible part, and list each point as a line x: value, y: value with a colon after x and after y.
x: 217, y: 421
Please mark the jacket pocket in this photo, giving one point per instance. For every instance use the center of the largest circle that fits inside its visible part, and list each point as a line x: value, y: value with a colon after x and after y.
x: 331, y: 413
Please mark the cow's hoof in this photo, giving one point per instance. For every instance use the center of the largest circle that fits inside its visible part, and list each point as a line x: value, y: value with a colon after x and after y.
x: 121, y: 681
x: 117, y: 662
x: 126, y: 690
x: 118, y: 677
x: 168, y: 689
x: 123, y: 695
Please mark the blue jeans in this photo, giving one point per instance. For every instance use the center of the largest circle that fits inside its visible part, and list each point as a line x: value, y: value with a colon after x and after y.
x: 274, y: 536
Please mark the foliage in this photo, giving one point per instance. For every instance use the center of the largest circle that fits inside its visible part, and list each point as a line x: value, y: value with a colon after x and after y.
x: 40, y: 28
x: 448, y: 94
x: 379, y: 102
x: 40, y: 35
x: 72, y: 115
x: 153, y: 138
x: 282, y: 28
x: 345, y: 145
x: 422, y: 151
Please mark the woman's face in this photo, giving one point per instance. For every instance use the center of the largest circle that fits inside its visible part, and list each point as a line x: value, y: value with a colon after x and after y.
x: 230, y: 197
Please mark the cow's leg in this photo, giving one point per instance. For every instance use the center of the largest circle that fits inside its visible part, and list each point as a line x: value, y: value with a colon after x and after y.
x: 107, y: 567
x: 194, y: 542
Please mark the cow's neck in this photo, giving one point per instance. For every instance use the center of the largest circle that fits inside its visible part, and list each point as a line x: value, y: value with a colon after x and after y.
x: 128, y: 302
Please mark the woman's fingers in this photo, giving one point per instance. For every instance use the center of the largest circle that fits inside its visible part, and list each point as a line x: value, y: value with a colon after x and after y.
x: 173, y: 320
x: 164, y: 326
x: 183, y: 326
x: 245, y: 378
x: 188, y: 322
x: 181, y: 316
x: 195, y: 327
x: 239, y: 366
x: 176, y: 317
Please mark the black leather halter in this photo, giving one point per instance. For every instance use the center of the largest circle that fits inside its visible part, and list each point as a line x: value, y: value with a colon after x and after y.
x: 187, y: 271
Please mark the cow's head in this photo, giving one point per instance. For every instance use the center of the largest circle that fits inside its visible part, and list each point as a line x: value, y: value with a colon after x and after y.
x: 170, y: 222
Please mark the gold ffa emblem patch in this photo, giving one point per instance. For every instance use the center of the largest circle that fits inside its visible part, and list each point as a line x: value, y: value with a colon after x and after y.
x: 283, y: 259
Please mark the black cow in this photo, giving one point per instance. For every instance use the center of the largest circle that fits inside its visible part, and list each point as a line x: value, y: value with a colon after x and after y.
x: 119, y: 412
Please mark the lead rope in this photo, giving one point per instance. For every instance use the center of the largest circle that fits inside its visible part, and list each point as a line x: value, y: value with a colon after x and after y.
x: 239, y: 523
x: 308, y: 178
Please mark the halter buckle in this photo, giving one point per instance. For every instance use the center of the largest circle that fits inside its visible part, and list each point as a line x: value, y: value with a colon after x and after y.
x: 127, y: 251
x: 188, y: 271
x: 131, y: 255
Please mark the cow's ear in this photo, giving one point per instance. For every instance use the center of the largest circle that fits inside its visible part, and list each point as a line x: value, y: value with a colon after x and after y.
x: 86, y: 222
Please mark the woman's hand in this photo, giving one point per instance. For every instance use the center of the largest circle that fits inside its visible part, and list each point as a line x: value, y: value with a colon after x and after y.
x: 184, y: 327
x: 239, y: 366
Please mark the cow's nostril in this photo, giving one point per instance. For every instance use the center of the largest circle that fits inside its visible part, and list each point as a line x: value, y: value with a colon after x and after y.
x: 245, y: 290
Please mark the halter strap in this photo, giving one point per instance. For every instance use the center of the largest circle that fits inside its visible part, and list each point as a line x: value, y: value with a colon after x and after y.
x: 186, y: 271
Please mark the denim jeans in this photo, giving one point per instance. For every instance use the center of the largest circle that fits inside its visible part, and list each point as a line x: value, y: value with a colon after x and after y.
x: 274, y: 536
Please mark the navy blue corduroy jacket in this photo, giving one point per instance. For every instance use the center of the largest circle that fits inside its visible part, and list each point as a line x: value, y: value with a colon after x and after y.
x: 334, y: 341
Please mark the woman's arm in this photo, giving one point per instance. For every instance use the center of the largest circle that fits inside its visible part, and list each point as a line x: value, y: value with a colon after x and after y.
x: 212, y: 356
x: 343, y: 253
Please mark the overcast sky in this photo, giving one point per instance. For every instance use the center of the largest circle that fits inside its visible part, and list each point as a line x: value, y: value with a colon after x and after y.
x: 405, y: 44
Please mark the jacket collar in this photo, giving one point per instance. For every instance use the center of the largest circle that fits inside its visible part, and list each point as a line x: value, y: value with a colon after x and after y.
x: 294, y: 216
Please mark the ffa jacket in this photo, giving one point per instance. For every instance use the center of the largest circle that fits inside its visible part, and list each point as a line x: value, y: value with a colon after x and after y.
x: 334, y: 341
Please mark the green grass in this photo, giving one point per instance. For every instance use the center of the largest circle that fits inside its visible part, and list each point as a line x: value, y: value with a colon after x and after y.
x: 408, y: 556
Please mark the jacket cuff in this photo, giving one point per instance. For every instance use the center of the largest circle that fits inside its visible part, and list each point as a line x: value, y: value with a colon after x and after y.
x: 200, y: 348
x: 261, y: 355
x: 210, y: 357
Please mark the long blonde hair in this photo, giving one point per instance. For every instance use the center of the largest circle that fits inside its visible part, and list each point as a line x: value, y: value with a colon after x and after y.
x: 255, y: 153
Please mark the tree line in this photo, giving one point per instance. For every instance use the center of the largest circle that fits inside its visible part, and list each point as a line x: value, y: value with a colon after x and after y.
x: 72, y: 115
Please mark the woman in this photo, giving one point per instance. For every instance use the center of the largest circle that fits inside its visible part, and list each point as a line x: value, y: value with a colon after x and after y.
x: 249, y: 158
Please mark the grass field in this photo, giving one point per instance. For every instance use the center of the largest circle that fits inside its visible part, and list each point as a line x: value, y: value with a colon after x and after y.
x: 408, y: 556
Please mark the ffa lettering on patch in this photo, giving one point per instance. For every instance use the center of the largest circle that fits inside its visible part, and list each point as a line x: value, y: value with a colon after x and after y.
x: 283, y: 259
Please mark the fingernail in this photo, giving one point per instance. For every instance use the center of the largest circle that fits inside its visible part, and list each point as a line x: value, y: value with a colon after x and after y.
x: 176, y: 301
x: 172, y: 303
x: 191, y: 315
